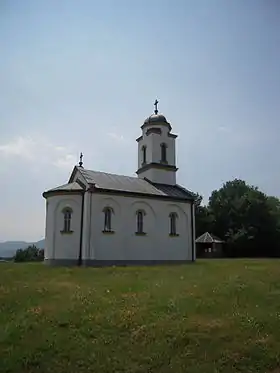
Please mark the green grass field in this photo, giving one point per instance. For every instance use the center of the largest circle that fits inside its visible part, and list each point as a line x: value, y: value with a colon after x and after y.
x: 212, y: 316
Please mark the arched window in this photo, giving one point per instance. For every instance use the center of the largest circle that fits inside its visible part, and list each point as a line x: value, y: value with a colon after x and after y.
x: 67, y: 213
x: 173, y: 223
x: 163, y: 152
x: 140, y: 221
x: 144, y: 155
x: 108, y: 211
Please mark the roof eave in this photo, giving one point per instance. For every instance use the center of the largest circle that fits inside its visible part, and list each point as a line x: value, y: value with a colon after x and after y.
x: 73, y: 174
x: 191, y: 195
x: 139, y: 194
x: 51, y: 193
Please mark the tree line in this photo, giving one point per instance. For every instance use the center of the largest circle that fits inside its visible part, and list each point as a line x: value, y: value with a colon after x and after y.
x: 245, y: 217
x: 30, y: 254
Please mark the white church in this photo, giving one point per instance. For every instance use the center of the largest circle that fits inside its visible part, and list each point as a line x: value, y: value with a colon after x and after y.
x: 102, y: 219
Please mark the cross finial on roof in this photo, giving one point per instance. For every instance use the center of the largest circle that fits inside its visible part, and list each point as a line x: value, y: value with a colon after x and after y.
x: 156, y: 106
x: 81, y: 160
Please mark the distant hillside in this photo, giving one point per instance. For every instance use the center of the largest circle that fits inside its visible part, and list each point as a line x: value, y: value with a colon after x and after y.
x: 9, y: 248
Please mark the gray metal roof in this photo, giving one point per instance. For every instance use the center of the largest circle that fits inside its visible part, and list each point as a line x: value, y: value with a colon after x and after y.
x: 131, y: 184
x: 67, y: 187
x: 174, y: 190
x: 208, y: 238
x: 155, y: 118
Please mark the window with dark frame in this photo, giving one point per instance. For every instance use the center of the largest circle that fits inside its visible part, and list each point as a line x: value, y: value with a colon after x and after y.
x: 140, y: 222
x: 163, y: 153
x: 173, y: 224
x: 144, y: 151
x: 67, y: 212
x: 107, y: 219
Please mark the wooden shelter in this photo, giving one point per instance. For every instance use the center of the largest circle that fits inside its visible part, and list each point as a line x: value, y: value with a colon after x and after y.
x: 209, y: 246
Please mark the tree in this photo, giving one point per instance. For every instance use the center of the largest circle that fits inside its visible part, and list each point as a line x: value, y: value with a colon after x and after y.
x: 246, y: 218
x: 203, y: 217
x: 30, y: 254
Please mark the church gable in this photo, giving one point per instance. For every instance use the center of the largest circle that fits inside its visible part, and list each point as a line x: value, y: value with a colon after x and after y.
x: 77, y: 176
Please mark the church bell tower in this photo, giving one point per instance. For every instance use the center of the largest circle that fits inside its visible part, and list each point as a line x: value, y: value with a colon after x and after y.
x: 156, y: 150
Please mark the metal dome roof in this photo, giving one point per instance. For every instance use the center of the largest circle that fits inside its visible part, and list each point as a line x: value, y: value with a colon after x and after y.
x: 156, y: 118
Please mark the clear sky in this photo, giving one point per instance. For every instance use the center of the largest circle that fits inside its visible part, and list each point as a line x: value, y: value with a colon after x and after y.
x: 78, y: 75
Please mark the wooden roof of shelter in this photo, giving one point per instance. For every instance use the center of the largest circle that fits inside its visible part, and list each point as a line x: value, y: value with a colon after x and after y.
x: 208, y: 238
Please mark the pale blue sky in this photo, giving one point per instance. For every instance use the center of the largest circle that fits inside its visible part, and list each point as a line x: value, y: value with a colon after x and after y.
x: 79, y: 75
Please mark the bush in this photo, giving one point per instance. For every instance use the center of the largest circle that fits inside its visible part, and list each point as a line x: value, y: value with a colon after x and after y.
x: 30, y: 254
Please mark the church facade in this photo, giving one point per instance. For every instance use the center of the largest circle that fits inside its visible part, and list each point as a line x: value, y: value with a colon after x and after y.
x: 101, y: 219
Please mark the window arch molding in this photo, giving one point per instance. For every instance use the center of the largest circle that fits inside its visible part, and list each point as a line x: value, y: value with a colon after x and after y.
x: 108, y: 208
x: 114, y: 206
x: 149, y: 218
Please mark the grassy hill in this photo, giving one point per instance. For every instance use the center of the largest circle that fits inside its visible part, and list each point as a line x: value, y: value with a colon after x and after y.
x: 212, y: 316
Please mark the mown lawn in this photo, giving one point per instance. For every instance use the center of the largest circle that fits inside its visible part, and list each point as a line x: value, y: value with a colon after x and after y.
x: 212, y: 316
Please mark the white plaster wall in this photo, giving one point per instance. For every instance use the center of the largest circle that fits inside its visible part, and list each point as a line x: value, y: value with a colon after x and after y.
x: 153, y: 154
x: 152, y: 142
x: 124, y: 244
x: 160, y: 176
x: 146, y: 141
x: 86, y: 225
x: 169, y: 141
x: 59, y: 245
x: 194, y: 248
x: 48, y: 231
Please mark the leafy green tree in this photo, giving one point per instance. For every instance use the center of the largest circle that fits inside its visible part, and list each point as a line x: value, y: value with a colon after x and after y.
x: 203, y: 217
x: 246, y: 218
x: 30, y: 254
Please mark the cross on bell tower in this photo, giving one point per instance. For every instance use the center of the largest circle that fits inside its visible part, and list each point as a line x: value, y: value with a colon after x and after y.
x: 156, y: 107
